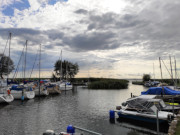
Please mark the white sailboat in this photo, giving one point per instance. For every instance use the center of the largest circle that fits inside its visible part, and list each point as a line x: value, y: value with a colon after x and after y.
x: 5, y: 96
x: 64, y: 85
x: 5, y: 93
x: 22, y: 92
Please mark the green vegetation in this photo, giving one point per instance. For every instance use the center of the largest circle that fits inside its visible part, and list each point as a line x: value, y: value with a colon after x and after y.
x: 103, y: 83
x: 137, y: 83
x: 4, y: 62
x: 177, y: 131
x: 146, y: 77
x: 69, y: 69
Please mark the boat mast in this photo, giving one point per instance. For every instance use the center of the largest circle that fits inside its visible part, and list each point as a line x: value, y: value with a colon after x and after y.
x: 160, y: 68
x: 171, y: 68
x: 153, y: 72
x: 60, y: 72
x: 175, y: 71
x: 9, y: 56
x: 39, y: 66
x: 25, y: 61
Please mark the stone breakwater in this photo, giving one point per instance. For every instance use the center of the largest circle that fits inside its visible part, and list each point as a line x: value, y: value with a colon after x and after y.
x: 173, y: 128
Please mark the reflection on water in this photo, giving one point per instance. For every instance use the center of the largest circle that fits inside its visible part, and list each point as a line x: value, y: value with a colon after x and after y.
x: 83, y: 108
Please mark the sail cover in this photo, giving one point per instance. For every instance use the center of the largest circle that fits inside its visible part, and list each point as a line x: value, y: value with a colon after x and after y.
x: 160, y: 91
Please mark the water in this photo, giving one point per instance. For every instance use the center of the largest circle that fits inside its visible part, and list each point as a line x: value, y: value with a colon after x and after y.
x: 84, y: 108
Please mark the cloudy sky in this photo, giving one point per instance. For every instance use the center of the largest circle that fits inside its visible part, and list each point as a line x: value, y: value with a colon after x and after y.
x: 107, y: 38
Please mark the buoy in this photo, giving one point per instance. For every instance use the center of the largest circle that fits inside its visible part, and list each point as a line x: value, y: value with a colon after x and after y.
x: 112, y: 114
x: 22, y: 97
x: 9, y: 92
x: 70, y: 129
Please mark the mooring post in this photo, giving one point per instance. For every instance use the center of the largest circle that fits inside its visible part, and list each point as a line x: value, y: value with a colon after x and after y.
x: 157, y: 122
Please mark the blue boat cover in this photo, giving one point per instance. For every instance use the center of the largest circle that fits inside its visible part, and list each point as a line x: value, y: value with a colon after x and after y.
x: 15, y: 87
x: 160, y: 91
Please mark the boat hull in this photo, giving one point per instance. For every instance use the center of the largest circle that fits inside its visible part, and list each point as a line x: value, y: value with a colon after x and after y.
x: 53, y: 90
x: 42, y: 92
x: 141, y: 118
x: 4, y: 98
x: 27, y: 94
x: 65, y: 88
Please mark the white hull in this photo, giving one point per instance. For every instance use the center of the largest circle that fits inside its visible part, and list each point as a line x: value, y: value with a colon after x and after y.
x: 27, y: 94
x: 63, y: 88
x: 162, y: 115
x: 5, y: 98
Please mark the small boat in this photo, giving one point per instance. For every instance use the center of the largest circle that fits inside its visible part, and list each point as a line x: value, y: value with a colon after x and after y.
x: 6, y: 97
x: 145, y: 108
x: 52, y: 88
x: 43, y: 91
x: 65, y: 86
x: 22, y: 92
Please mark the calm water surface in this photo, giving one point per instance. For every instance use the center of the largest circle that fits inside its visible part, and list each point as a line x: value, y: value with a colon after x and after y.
x: 84, y: 108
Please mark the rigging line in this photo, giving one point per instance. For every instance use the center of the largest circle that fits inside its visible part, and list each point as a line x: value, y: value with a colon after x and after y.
x: 6, y: 44
x: 166, y: 68
x: 1, y: 61
x: 168, y: 71
x: 17, y: 68
x: 34, y: 63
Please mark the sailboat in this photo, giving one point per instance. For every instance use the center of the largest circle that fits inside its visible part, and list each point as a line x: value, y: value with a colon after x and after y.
x: 39, y: 87
x: 5, y: 93
x: 64, y: 85
x: 22, y: 91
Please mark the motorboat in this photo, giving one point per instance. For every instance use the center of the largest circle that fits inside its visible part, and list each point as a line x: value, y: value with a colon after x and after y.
x: 145, y: 108
x: 150, y: 100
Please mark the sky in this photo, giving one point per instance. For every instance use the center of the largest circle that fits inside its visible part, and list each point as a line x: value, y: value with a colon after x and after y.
x: 107, y: 38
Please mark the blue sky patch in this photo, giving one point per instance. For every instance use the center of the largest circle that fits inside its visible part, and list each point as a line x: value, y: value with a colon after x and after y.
x: 9, y: 10
x: 52, y: 2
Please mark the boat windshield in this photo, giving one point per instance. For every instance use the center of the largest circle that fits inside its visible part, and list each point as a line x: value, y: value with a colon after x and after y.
x: 154, y: 108
x: 162, y: 103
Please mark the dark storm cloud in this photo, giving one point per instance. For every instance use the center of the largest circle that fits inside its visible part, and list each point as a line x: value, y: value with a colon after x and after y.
x: 81, y: 11
x: 92, y: 41
x: 114, y: 21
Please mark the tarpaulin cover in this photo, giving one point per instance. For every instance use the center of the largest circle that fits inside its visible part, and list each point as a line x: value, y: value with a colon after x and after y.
x: 160, y: 91
x: 16, y: 87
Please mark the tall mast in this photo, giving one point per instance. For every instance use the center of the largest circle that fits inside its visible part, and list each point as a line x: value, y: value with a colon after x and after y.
x: 39, y: 66
x: 25, y: 60
x: 171, y: 68
x: 175, y: 71
x: 160, y: 68
x: 9, y: 56
x: 60, y: 72
x: 153, y: 72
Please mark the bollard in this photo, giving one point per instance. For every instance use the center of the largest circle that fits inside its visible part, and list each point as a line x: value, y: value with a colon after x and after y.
x: 22, y: 98
x: 70, y: 129
x: 112, y: 116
